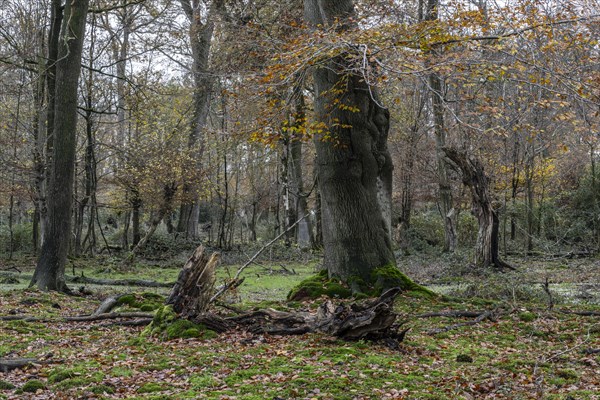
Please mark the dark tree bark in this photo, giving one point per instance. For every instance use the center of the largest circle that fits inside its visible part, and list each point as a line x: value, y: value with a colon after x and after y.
x: 486, y: 251
x: 49, y: 273
x: 354, y: 166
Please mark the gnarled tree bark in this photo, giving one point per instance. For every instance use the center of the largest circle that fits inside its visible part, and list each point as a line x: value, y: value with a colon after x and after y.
x: 486, y: 251
x: 354, y: 165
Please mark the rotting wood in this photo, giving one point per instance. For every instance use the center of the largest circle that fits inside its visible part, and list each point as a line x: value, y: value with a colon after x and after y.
x: 8, y: 364
x: 192, y: 292
x: 373, y: 319
x: 108, y: 304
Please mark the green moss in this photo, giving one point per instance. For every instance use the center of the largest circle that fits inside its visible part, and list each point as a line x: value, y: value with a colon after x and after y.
x: 167, y: 325
x: 389, y: 276
x: 319, y: 285
x: 150, y: 387
x: 33, y: 386
x: 567, y: 374
x: 381, y: 279
x: 102, y: 389
x: 60, y: 375
x: 4, y: 385
x: 527, y: 316
x: 144, y: 302
x: 80, y: 381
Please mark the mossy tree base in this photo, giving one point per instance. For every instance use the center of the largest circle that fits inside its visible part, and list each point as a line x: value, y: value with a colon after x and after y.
x: 167, y: 325
x: 381, y: 279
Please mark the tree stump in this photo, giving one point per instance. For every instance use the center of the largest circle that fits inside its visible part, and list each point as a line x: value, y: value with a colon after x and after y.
x: 191, y: 293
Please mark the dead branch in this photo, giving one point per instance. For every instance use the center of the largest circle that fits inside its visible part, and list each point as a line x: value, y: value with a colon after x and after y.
x: 8, y: 364
x: 108, y: 304
x: 480, y: 318
x: 79, y: 318
x: 100, y: 317
x: 235, y: 281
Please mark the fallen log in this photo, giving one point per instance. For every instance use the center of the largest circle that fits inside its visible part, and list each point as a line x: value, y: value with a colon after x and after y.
x: 78, y: 318
x: 192, y: 294
x: 118, y: 282
x: 101, y: 317
x: 373, y: 319
x: 8, y: 364
x: 582, y: 313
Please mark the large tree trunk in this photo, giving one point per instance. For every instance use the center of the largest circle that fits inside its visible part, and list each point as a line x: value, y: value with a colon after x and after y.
x: 200, y: 39
x: 354, y: 165
x: 49, y: 273
x: 486, y: 251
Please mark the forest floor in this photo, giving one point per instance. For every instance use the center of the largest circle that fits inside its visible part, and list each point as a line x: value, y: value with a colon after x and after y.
x: 527, y: 349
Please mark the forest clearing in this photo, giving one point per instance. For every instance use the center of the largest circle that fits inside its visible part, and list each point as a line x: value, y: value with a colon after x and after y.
x: 523, y: 350
x: 300, y: 199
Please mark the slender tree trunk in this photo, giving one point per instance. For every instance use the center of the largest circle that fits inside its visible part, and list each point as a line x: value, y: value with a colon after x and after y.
x: 49, y: 273
x: 136, y: 206
x: 121, y: 51
x: 355, y: 168
x: 54, y: 43
x: 200, y: 39
x: 39, y: 217
x: 89, y: 167
x: 303, y: 232
x: 514, y: 186
x: 445, y: 190
x: 530, y: 203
